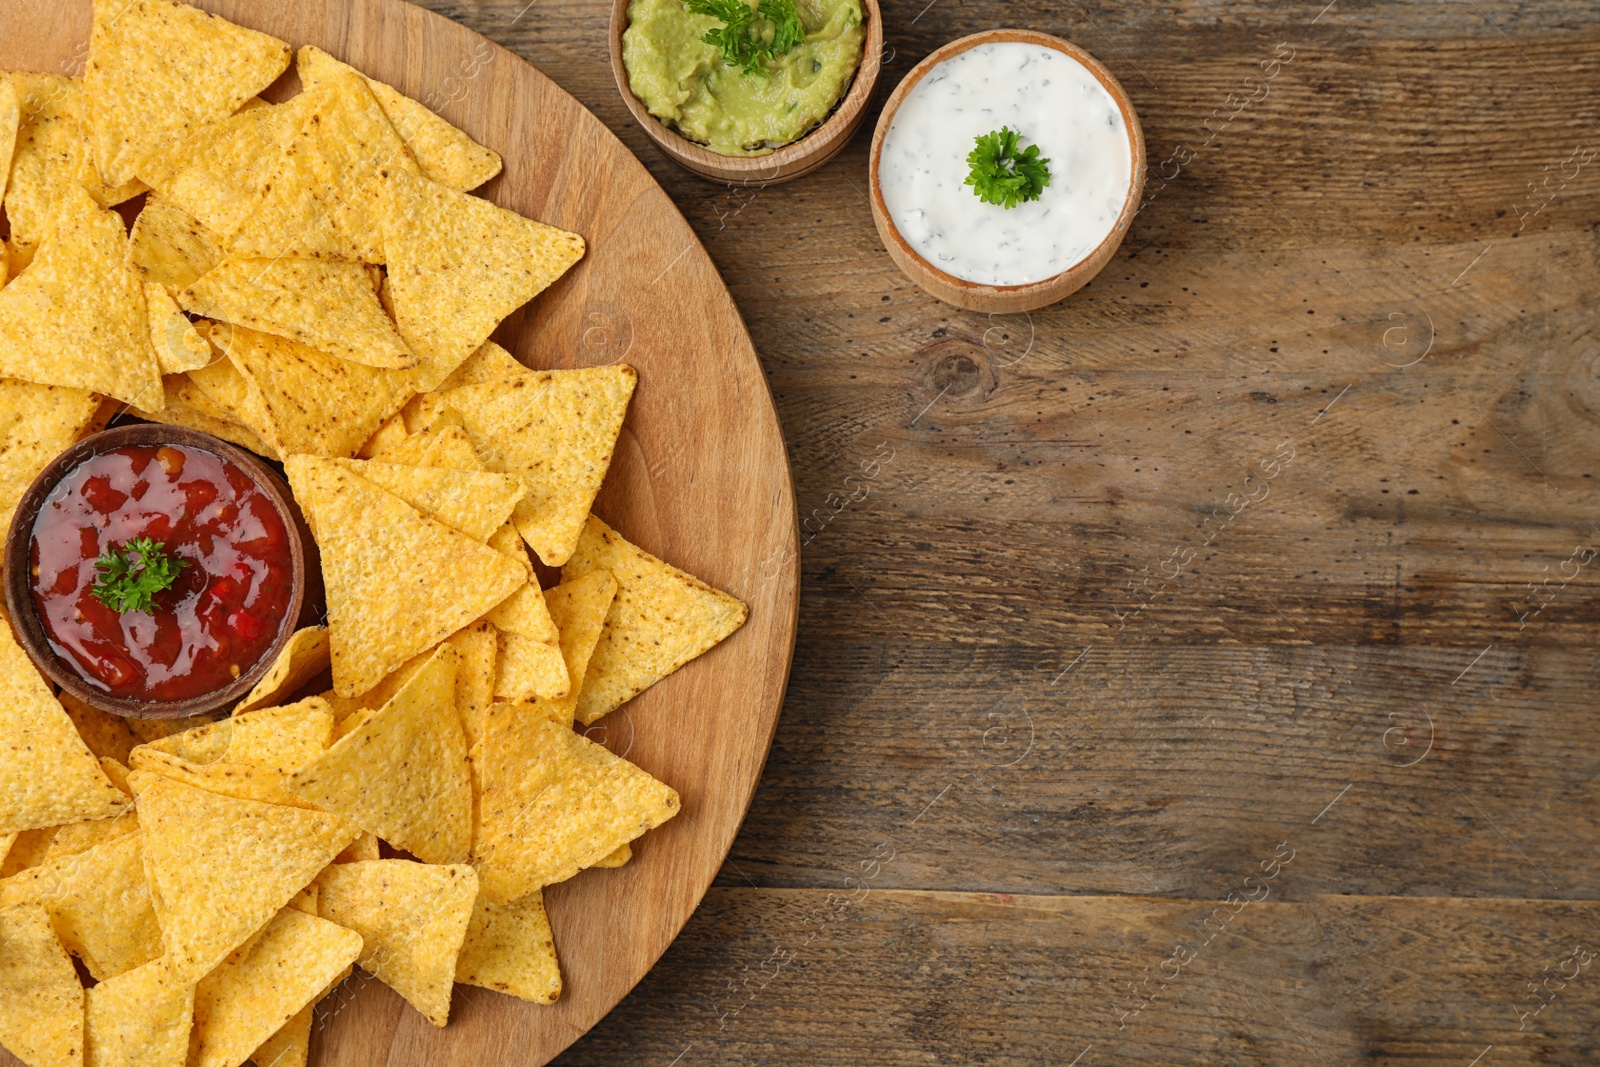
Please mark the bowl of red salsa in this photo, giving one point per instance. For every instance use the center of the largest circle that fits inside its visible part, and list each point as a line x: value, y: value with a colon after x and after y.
x: 155, y: 572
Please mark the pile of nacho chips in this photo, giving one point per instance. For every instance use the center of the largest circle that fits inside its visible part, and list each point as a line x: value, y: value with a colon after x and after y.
x: 313, y: 281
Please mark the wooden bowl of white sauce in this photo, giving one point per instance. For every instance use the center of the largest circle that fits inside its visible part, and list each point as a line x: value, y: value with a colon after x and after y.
x: 985, y: 257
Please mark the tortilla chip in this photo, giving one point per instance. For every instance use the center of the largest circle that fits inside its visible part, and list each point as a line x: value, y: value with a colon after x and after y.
x: 443, y: 153
x: 324, y: 304
x: 37, y: 423
x: 479, y: 647
x: 283, y: 739
x: 29, y: 848
x: 99, y: 904
x: 140, y: 1019
x: 48, y: 776
x: 555, y: 431
x: 509, y: 543
x: 169, y: 247
x: 244, y: 1002
x: 173, y: 338
x: 314, y: 404
x: 203, y: 742
x: 53, y: 155
x: 386, y: 436
x: 530, y: 648
x: 79, y: 837
x: 458, y: 265
x: 326, y: 194
x: 402, y: 774
x: 471, y: 502
x: 42, y: 1018
x: 302, y: 659
x: 177, y: 413
x: 434, y: 581
x: 76, y: 316
x: 158, y: 70
x: 554, y: 802
x: 619, y: 858
x: 578, y: 609
x: 490, y: 363
x: 117, y: 773
x: 220, y: 867
x: 364, y: 847
x: 6, y: 841
x: 439, y: 446
x: 661, y: 619
x: 216, y: 174
x: 412, y: 918
x: 10, y: 123
x: 509, y: 948
x: 241, y: 781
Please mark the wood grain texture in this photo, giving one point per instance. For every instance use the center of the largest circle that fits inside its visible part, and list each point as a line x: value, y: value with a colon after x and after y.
x: 718, y: 501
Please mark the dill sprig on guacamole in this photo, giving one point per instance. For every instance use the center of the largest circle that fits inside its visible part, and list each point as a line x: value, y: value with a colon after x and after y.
x: 1004, y: 174
x: 749, y: 36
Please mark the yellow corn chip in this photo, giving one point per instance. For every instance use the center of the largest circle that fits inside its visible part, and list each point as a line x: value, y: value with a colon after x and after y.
x: 555, y: 431
x: 326, y: 193
x: 441, y: 446
x: 530, y: 648
x: 6, y: 841
x: 324, y: 304
x: 283, y: 739
x: 149, y: 731
x: 402, y: 774
x: 177, y: 345
x: 158, y: 69
x: 661, y: 619
x: 578, y: 609
x: 241, y: 781
x: 444, y: 154
x: 10, y: 123
x: 386, y: 436
x: 472, y: 502
x: 434, y: 581
x: 99, y: 904
x: 314, y: 404
x: 79, y: 837
x: 291, y: 1046
x: 188, y: 406
x: 510, y: 544
x: 412, y: 918
x: 117, y: 772
x: 302, y: 659
x: 478, y: 646
x: 204, y: 742
x: 42, y: 1018
x: 220, y: 867
x: 48, y: 775
x: 458, y: 265
x: 53, y: 155
x: 76, y: 316
x: 216, y: 174
x: 37, y: 423
x: 140, y: 1019
x: 364, y: 847
x: 554, y: 802
x: 28, y: 849
x: 243, y: 1003
x: 509, y: 948
x: 490, y: 363
x: 618, y: 858
x: 169, y: 247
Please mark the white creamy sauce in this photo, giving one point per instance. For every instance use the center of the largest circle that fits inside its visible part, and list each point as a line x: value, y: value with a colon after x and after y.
x: 1053, y: 101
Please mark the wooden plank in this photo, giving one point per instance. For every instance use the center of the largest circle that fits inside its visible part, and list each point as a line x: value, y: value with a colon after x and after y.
x: 916, y: 978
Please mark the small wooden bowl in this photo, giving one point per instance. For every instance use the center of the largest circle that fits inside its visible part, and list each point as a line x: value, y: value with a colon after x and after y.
x: 19, y: 599
x: 781, y: 164
x: 1004, y: 299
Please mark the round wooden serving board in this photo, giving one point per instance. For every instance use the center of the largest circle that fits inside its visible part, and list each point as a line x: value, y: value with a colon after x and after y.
x: 700, y: 478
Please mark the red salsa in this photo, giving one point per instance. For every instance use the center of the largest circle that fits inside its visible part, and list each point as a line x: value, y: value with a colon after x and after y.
x: 216, y: 620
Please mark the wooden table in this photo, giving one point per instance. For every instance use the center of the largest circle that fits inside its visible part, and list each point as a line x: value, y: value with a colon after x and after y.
x: 1201, y: 671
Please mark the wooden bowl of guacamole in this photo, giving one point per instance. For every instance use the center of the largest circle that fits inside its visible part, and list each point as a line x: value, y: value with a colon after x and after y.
x: 750, y: 91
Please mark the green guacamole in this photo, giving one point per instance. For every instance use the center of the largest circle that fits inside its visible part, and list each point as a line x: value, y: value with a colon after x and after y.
x: 683, y: 81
